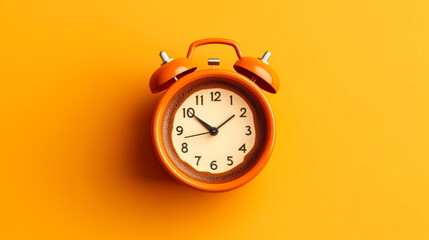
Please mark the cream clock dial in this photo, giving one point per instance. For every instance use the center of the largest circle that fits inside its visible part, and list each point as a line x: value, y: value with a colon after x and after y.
x: 213, y: 130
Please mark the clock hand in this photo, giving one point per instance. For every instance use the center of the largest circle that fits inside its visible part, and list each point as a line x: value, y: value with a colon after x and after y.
x: 226, y: 121
x: 197, y: 134
x: 212, y: 130
x: 206, y: 125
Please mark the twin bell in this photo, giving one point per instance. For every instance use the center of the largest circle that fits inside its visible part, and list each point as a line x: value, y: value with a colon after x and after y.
x: 256, y: 69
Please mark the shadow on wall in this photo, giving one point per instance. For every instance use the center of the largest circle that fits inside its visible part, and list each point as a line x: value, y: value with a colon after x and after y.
x: 145, y: 165
x: 133, y: 182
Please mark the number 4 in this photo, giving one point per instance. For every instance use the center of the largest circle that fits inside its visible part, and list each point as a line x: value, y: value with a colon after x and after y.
x: 243, y: 148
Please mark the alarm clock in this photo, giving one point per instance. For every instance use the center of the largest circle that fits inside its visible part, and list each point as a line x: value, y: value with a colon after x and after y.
x: 213, y: 129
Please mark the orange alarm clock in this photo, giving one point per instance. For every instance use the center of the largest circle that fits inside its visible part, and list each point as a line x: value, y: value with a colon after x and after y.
x: 213, y: 129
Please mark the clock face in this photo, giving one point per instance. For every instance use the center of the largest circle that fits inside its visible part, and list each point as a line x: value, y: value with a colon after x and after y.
x: 213, y: 130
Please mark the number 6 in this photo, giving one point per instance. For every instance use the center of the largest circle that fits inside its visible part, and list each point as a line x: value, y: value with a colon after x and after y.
x: 213, y: 165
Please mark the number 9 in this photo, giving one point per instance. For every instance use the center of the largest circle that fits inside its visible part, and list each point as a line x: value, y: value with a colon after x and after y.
x: 179, y: 130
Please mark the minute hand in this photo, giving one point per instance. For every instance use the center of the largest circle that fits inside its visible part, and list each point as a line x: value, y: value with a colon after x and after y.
x: 226, y: 121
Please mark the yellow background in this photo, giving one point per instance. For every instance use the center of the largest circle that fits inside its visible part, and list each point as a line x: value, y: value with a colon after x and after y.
x: 351, y: 159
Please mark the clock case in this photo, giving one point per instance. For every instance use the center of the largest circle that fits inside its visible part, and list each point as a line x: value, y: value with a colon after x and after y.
x: 251, y: 73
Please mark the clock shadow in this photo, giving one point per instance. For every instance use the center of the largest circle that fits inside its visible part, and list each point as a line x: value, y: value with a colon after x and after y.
x: 144, y: 164
x: 143, y: 169
x: 143, y: 173
x: 137, y: 183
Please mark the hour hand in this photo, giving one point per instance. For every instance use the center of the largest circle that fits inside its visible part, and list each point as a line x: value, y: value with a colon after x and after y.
x: 212, y: 130
x: 206, y: 125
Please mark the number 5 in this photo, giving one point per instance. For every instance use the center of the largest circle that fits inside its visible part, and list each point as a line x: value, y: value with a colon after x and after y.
x: 230, y: 162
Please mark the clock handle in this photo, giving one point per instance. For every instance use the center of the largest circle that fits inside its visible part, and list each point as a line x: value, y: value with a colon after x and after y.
x: 214, y: 41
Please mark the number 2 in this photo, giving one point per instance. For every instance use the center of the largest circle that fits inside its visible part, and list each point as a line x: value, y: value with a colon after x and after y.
x: 243, y: 114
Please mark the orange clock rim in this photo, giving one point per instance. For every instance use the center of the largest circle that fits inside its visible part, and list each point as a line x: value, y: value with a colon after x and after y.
x: 162, y: 153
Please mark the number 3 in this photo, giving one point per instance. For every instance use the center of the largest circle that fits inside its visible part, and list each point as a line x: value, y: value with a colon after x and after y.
x: 249, y: 132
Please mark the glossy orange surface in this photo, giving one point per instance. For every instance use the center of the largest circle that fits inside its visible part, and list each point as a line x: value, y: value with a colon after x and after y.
x: 164, y: 76
x: 162, y: 152
x: 206, y: 41
x: 259, y: 72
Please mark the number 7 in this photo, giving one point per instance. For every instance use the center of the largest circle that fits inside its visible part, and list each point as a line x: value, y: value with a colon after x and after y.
x: 198, y: 159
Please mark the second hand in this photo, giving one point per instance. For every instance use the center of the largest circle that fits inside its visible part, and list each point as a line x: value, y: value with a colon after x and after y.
x: 197, y: 134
